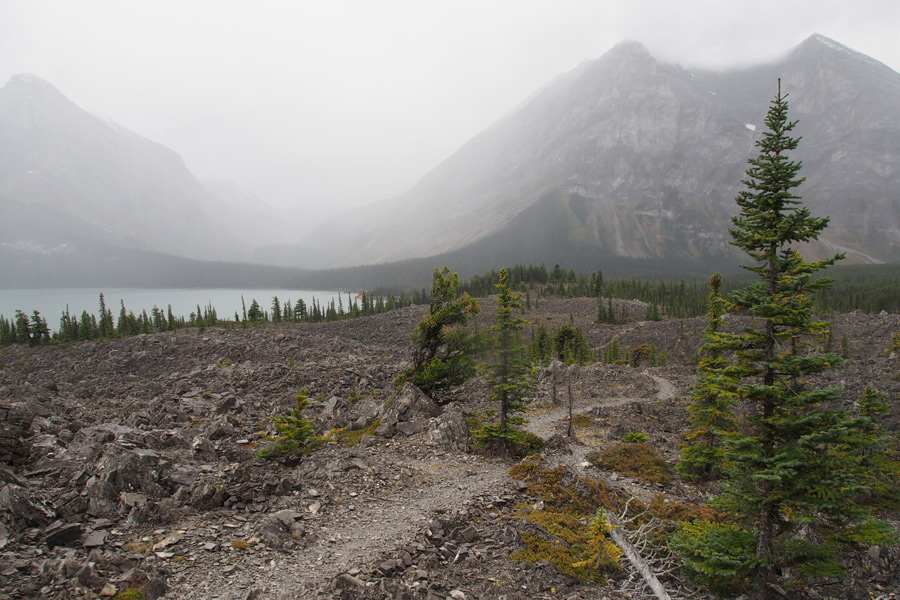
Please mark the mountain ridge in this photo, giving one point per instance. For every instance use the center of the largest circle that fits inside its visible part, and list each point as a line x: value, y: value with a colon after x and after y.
x: 655, y: 153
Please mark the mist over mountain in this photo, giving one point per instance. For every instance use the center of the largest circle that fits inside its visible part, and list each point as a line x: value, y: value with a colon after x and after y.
x: 627, y: 156
x: 55, y: 158
x: 83, y: 198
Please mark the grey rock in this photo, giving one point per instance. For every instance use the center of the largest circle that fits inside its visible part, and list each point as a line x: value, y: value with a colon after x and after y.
x: 206, y: 495
x: 203, y: 450
x: 412, y: 404
x: 331, y: 408
x: 386, y: 430
x: 23, y: 508
x: 450, y: 432
x: 94, y: 539
x: 275, y: 533
x: 62, y: 534
x: 15, y: 422
x: 347, y: 586
x: 37, y: 409
x: 409, y: 428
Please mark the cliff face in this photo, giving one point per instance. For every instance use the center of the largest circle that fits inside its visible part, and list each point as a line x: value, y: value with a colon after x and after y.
x: 644, y: 159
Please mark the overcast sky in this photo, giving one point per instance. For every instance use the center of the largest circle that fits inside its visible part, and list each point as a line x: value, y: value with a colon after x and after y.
x: 335, y: 103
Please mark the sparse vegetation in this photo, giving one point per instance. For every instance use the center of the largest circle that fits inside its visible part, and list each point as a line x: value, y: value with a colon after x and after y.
x: 581, y: 420
x: 574, y: 520
x: 351, y: 437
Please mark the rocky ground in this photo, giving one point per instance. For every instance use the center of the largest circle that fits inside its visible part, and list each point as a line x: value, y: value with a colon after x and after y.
x: 132, y: 463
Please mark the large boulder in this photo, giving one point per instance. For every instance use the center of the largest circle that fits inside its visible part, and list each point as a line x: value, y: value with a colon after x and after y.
x: 410, y: 406
x: 450, y: 431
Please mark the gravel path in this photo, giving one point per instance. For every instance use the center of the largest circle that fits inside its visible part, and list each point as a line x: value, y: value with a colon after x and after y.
x: 348, y: 535
x: 547, y: 421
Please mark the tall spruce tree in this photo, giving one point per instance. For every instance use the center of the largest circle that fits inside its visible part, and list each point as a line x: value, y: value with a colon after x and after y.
x: 795, y: 468
x: 510, y: 373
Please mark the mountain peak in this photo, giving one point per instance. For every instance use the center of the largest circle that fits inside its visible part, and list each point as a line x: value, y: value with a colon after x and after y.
x: 628, y: 49
x: 817, y: 40
x: 27, y: 81
x: 819, y: 46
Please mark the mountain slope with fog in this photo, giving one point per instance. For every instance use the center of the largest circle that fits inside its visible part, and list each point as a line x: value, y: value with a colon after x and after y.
x: 638, y: 158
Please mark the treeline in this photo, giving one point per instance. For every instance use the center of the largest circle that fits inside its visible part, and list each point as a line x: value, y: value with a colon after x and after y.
x: 34, y: 330
x: 670, y: 298
x: 870, y: 288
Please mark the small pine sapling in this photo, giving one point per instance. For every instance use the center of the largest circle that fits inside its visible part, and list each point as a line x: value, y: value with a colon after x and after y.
x: 294, y: 433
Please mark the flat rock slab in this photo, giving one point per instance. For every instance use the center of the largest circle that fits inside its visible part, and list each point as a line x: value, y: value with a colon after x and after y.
x: 62, y: 534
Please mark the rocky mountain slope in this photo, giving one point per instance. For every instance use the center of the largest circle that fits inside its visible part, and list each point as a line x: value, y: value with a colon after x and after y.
x: 131, y: 463
x: 112, y: 187
x: 629, y: 156
x: 56, y: 158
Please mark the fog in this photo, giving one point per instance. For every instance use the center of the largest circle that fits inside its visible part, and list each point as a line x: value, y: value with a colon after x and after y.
x: 325, y: 106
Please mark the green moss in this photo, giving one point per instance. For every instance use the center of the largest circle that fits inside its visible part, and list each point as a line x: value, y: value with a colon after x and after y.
x: 351, y: 437
x: 130, y: 594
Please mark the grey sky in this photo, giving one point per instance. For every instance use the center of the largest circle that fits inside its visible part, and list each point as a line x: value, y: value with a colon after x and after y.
x: 335, y: 103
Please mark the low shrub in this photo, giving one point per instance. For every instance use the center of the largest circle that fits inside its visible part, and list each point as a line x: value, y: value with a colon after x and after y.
x: 634, y: 460
x: 490, y: 440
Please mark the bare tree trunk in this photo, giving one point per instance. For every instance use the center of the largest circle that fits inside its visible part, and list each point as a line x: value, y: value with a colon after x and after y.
x: 571, y: 432
x: 763, y: 575
x: 637, y: 561
x: 554, y: 374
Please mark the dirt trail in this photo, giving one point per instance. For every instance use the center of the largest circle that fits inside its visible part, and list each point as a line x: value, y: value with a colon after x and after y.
x: 350, y: 535
x: 549, y: 421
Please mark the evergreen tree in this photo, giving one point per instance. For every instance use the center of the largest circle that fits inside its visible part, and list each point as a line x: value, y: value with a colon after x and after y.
x: 40, y: 332
x: 570, y: 345
x: 442, y: 349
x: 792, y: 464
x: 711, y: 412
x: 294, y: 433
x: 510, y: 373
x: 87, y: 330
x: 122, y: 324
x: 254, y: 313
x: 300, y: 310
x: 105, y: 327
x: 68, y: 327
x: 23, y: 328
x: 7, y: 332
x: 541, y: 346
x: 276, y: 310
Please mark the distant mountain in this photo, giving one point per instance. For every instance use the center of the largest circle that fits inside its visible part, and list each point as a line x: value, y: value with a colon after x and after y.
x: 630, y: 157
x: 56, y: 160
